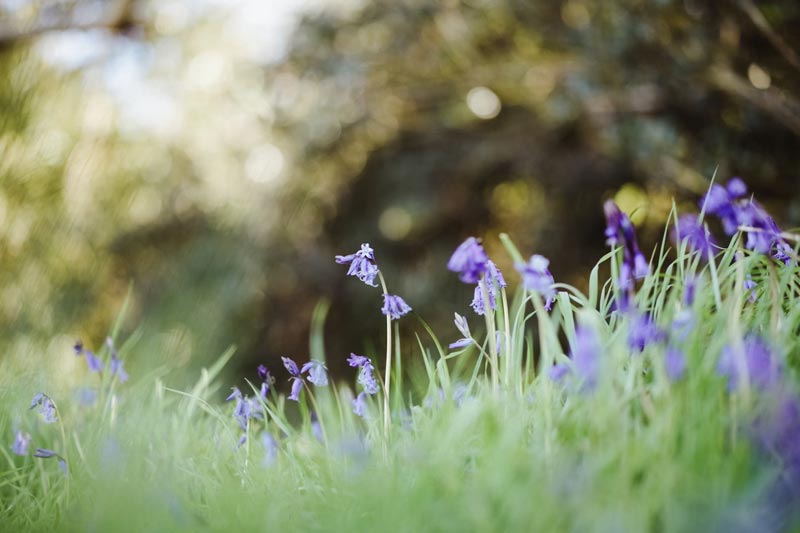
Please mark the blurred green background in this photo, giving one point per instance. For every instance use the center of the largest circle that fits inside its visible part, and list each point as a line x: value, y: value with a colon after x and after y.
x: 216, y: 154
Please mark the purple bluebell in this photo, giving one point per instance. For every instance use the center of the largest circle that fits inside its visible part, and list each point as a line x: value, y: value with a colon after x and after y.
x: 620, y: 232
x: 694, y: 233
x: 92, y: 361
x: 558, y: 372
x: 47, y: 409
x: 115, y: 364
x: 246, y: 408
x: 478, y: 304
x: 291, y: 366
x: 463, y: 326
x: 585, y: 355
x: 674, y: 363
x: 493, y: 281
x: 469, y: 261
x: 460, y: 343
x: 494, y: 277
x: 394, y: 306
x: 643, y: 331
x: 735, y: 210
x: 266, y: 380
x: 362, y: 264
x: 784, y: 253
x: 750, y: 286
x: 297, y: 386
x: 360, y: 404
x: 366, y: 373
x: 317, y: 373
x: 44, y: 453
x: 536, y: 276
x: 21, y: 442
x: 720, y: 201
x: 755, y: 358
x: 777, y: 434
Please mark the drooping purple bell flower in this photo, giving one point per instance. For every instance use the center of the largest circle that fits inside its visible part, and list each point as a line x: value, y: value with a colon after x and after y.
x: 694, y: 233
x: 92, y: 361
x: 366, y: 376
x: 362, y: 264
x: 536, y: 276
x: 21, y: 442
x: 47, y: 409
x: 317, y: 373
x: 469, y: 261
x: 643, y: 331
x: 620, y: 231
x: 394, y: 306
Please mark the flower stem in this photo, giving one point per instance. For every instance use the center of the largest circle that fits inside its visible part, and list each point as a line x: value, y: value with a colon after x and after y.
x: 387, y: 381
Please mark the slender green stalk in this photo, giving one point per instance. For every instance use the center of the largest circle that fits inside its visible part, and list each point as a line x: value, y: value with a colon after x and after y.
x: 387, y: 416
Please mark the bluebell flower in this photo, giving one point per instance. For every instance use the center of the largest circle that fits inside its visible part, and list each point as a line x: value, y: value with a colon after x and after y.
x: 537, y: 277
x: 720, y: 201
x: 366, y: 373
x: 360, y: 404
x: 115, y: 365
x: 643, y: 332
x: 469, y: 261
x: 317, y: 373
x: 394, y: 306
x: 756, y: 359
x: 697, y: 237
x: 47, y: 409
x: 460, y: 343
x: 92, y: 361
x: 682, y: 324
x: 44, y: 453
x: 291, y: 366
x: 494, y: 277
x: 266, y: 380
x: 463, y: 326
x: 777, y: 432
x: 362, y: 264
x: 246, y: 408
x: 21, y: 442
x: 620, y: 231
x: 735, y: 210
x: 478, y: 304
x: 297, y: 386
x: 674, y: 363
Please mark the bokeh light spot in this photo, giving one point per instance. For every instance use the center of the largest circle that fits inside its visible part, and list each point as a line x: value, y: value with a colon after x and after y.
x: 395, y: 223
x: 483, y: 102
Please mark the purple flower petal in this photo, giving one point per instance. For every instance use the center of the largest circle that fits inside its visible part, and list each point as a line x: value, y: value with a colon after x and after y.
x: 469, y: 261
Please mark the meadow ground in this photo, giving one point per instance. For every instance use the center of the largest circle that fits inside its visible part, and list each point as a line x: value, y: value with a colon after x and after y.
x: 665, y: 399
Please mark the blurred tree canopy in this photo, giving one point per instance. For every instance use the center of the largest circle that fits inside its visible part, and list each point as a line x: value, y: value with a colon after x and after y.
x: 220, y: 180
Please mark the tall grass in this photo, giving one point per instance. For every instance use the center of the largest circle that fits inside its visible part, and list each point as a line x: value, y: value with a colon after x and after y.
x: 479, y: 438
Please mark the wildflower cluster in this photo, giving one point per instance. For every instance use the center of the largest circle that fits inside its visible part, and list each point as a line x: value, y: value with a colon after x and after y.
x: 737, y: 212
